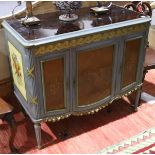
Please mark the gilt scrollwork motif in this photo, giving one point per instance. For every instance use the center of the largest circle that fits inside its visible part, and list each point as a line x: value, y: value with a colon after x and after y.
x: 33, y: 100
x: 89, y: 39
x: 30, y: 72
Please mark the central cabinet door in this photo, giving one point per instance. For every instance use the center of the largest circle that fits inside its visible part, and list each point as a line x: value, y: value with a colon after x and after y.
x: 94, y: 75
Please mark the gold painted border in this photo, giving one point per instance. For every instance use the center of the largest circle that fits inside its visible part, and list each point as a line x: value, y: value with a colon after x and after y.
x: 89, y: 39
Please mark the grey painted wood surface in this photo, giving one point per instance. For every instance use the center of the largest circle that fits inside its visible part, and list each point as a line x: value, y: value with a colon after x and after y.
x: 34, y: 85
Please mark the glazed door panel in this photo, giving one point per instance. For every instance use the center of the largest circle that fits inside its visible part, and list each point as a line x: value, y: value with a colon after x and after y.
x: 55, y: 79
x: 131, y: 63
x: 94, y: 76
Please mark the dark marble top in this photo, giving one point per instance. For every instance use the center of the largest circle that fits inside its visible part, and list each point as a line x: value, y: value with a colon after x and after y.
x: 51, y: 25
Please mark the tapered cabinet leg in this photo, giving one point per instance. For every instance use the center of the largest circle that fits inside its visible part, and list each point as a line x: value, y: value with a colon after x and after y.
x: 137, y: 99
x: 37, y: 127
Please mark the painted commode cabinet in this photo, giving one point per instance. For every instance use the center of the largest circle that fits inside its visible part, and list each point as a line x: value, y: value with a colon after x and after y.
x: 62, y: 69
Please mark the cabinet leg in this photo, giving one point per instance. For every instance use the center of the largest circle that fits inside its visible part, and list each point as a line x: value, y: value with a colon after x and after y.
x: 137, y: 99
x: 37, y: 127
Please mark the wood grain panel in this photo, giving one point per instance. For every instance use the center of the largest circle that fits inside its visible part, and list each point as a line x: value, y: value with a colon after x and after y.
x: 53, y: 73
x: 94, y: 75
x: 130, y: 64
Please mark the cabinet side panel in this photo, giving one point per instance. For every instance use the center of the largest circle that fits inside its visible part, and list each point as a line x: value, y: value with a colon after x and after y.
x: 130, y: 64
x: 53, y: 74
x: 17, y: 69
x: 94, y: 73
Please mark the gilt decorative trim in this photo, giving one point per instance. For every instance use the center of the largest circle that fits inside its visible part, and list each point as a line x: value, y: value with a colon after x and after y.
x: 89, y: 39
x: 30, y: 72
x: 34, y: 100
x: 60, y: 117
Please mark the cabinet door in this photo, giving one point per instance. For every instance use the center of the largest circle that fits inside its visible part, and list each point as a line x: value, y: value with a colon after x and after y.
x: 94, y: 75
x: 55, y: 76
x: 132, y: 64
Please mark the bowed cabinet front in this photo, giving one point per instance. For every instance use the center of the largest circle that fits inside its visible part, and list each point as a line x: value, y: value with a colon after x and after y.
x: 94, y: 70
